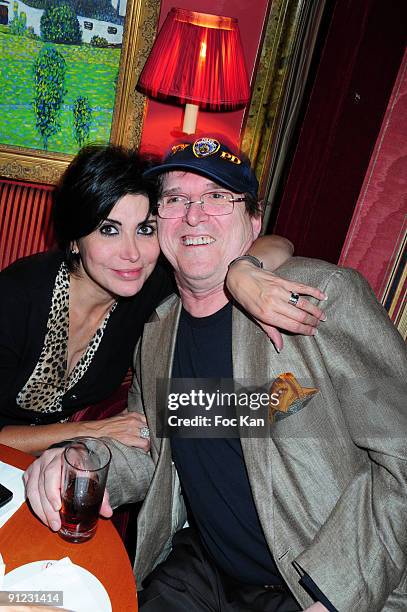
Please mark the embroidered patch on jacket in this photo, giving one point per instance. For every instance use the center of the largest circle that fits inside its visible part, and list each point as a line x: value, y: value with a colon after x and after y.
x: 205, y: 147
x: 288, y: 396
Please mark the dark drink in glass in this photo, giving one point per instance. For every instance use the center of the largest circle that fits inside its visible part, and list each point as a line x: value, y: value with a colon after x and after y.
x: 85, y: 467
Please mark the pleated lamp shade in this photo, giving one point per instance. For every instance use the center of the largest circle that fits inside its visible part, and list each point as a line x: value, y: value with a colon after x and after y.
x: 197, y: 59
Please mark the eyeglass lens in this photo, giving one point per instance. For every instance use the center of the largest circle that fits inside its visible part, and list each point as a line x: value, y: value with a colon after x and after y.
x: 212, y: 203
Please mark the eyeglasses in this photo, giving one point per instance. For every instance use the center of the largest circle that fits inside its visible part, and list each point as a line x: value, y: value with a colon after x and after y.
x: 213, y: 203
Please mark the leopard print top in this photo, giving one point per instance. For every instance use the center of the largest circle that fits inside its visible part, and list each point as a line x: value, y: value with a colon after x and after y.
x: 48, y: 383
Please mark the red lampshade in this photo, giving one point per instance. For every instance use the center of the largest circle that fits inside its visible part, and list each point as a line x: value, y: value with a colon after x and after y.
x: 197, y: 58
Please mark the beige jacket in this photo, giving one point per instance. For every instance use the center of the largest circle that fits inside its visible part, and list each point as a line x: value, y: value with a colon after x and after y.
x: 329, y: 482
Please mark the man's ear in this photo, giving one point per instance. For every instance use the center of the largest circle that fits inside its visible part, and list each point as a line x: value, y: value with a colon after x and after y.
x: 256, y: 225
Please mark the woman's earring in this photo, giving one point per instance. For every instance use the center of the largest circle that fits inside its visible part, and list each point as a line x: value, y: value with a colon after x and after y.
x: 74, y: 252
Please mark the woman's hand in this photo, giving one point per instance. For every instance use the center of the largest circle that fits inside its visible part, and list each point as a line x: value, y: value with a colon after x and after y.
x: 124, y: 427
x: 266, y: 297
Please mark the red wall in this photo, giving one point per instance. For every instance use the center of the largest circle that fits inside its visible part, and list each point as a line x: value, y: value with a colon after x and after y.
x: 163, y: 121
x: 375, y: 238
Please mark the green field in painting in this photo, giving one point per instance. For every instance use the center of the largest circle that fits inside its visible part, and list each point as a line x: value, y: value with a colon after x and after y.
x: 90, y: 72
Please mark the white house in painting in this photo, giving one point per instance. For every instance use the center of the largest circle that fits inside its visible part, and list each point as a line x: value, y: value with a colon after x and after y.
x: 112, y: 32
x: 122, y: 6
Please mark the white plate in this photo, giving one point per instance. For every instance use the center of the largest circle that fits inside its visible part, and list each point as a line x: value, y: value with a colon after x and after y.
x: 98, y: 591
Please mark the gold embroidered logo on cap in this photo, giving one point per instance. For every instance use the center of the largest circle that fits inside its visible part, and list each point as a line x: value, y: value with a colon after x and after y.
x: 179, y: 147
x: 205, y: 147
x: 230, y: 157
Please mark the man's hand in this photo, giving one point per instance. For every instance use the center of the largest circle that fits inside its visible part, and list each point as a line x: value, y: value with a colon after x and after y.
x: 43, y: 488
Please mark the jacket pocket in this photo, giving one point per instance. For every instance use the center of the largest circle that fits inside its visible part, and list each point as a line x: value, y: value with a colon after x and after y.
x: 288, y: 396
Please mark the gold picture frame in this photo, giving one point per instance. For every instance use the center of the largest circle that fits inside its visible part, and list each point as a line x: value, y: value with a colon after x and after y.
x: 40, y: 166
x: 262, y: 120
x: 288, y: 41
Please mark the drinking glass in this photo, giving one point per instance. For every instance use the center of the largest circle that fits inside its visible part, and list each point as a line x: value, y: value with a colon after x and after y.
x: 84, y: 472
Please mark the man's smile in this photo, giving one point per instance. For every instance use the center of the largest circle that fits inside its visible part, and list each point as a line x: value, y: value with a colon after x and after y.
x: 197, y: 240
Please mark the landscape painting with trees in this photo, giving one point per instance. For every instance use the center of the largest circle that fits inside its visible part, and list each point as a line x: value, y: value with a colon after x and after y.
x: 60, y: 61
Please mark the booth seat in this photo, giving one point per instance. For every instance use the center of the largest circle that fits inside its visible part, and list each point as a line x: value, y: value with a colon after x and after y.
x: 25, y: 220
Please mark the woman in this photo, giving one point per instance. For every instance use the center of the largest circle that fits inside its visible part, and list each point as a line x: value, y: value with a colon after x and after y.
x: 70, y: 319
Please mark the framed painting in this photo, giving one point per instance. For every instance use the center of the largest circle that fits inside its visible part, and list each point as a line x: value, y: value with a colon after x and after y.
x: 68, y: 76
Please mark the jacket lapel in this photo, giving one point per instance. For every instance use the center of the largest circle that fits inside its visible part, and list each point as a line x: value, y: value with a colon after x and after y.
x: 250, y: 348
x: 154, y: 521
x: 157, y: 353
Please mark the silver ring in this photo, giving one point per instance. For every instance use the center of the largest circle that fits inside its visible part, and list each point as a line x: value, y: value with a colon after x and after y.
x: 294, y: 297
x: 145, y: 433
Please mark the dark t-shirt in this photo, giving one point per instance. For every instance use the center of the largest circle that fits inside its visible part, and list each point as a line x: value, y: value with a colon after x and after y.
x: 212, y: 470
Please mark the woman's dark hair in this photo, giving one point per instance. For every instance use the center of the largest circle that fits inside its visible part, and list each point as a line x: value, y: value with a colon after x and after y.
x: 90, y: 187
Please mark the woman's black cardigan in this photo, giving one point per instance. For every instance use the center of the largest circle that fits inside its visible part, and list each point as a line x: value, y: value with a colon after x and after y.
x: 25, y: 300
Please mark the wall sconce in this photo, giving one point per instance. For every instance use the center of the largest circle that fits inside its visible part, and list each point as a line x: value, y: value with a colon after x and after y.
x: 197, y: 60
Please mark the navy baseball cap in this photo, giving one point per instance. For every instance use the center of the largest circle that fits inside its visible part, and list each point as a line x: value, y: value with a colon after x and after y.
x: 210, y: 157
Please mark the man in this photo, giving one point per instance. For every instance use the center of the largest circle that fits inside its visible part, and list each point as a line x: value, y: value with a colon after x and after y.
x: 309, y: 512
